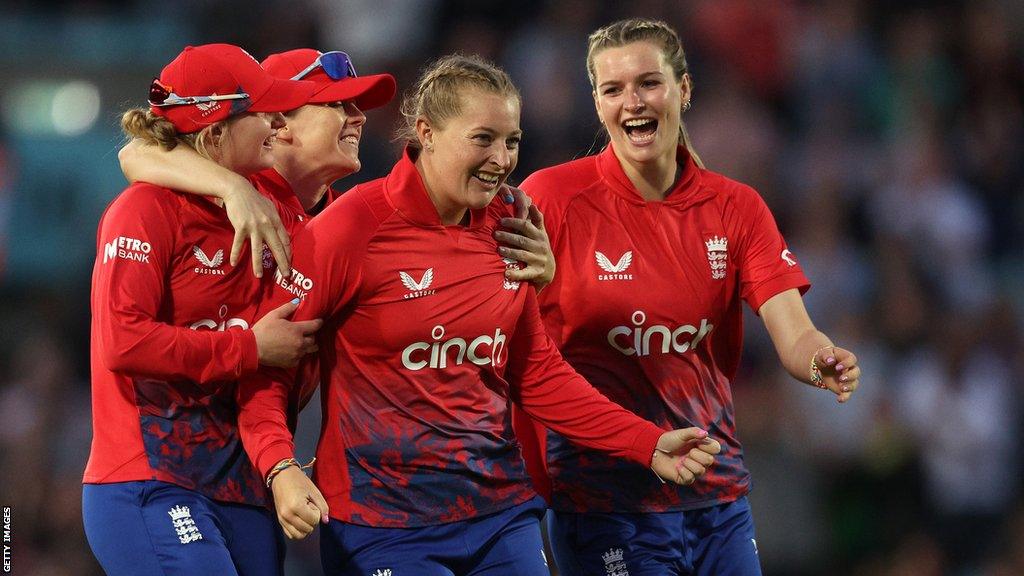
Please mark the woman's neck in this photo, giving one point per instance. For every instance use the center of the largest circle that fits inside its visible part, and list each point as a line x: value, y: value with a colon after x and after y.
x: 449, y: 212
x: 308, y: 186
x: 654, y: 179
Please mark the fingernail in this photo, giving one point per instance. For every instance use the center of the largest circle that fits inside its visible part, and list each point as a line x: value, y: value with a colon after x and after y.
x: 843, y: 378
x: 295, y: 300
x: 830, y: 360
x: 839, y: 366
x: 702, y: 434
x: 505, y: 221
x: 846, y: 388
x: 509, y: 199
x: 503, y: 250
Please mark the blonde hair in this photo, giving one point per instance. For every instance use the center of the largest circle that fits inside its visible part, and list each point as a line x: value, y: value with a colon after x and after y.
x: 660, y: 34
x: 141, y: 123
x: 436, y: 95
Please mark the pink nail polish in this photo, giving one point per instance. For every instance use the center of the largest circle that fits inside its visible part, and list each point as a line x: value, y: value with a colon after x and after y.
x: 839, y: 366
x: 830, y: 359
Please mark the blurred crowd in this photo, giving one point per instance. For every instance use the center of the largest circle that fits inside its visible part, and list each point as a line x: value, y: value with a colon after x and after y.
x: 887, y: 137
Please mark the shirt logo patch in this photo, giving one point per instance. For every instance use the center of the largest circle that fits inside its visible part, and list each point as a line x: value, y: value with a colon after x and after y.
x: 127, y: 249
x: 418, y: 289
x: 268, y: 258
x: 613, y: 563
x: 615, y: 271
x: 184, y: 525
x: 484, y: 350
x: 382, y: 572
x: 298, y: 283
x: 639, y: 339
x: 221, y: 325
x: 511, y: 264
x: 717, y: 256
x: 209, y: 265
x: 787, y: 256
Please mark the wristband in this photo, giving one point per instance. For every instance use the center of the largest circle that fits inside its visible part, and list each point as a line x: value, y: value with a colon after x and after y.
x: 655, y: 455
x: 285, y: 464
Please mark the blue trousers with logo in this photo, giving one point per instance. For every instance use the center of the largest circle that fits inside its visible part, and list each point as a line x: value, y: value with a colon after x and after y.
x: 155, y: 528
x: 507, y: 543
x: 713, y: 541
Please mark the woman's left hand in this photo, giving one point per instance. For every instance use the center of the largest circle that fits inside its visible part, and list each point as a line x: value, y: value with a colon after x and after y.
x: 528, y: 243
x: 839, y: 371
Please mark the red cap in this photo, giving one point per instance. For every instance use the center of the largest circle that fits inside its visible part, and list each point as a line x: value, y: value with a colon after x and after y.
x: 366, y: 91
x: 224, y: 69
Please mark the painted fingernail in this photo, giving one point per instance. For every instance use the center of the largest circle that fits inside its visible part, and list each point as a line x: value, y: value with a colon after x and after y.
x: 830, y: 360
x: 702, y: 434
x: 846, y: 388
x: 843, y: 378
x: 509, y: 199
x: 839, y: 366
x: 295, y: 300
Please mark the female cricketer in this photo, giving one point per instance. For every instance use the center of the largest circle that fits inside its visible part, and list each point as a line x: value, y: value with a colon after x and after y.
x: 168, y: 488
x: 656, y: 255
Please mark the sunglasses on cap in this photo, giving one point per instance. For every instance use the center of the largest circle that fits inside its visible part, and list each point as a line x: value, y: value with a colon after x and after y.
x: 337, y: 66
x: 161, y: 95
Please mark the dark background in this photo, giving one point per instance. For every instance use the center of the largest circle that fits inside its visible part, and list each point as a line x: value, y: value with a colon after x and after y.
x: 888, y: 139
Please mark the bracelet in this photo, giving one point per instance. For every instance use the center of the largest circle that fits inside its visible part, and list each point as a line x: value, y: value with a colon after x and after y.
x: 655, y: 455
x: 816, y: 378
x: 285, y: 464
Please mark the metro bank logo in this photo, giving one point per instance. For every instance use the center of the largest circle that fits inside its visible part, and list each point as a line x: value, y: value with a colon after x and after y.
x: 127, y: 248
x: 298, y: 283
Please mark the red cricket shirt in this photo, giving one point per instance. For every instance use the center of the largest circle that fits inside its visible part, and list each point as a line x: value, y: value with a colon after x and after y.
x: 170, y: 338
x: 424, y: 331
x: 646, y: 305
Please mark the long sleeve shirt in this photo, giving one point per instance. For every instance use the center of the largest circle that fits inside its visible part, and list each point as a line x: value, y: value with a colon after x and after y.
x: 426, y: 345
x: 170, y: 339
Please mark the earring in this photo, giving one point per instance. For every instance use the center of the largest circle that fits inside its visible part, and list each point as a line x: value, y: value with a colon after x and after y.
x: 686, y: 106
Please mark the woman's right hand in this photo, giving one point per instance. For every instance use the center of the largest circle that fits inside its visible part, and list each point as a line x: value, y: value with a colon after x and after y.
x: 682, y: 456
x: 298, y: 502
x: 281, y: 342
x: 254, y: 217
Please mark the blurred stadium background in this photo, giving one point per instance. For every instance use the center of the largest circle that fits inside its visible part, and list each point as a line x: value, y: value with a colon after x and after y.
x: 888, y: 138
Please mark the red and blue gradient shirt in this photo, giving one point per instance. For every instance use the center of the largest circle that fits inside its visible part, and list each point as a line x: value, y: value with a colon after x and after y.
x: 170, y: 339
x: 422, y: 332
x: 646, y: 305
